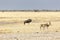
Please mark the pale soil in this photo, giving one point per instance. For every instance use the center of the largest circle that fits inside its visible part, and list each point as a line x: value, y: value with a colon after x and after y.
x: 31, y: 36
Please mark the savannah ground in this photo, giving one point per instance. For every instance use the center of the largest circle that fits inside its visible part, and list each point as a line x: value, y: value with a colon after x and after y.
x: 12, y: 26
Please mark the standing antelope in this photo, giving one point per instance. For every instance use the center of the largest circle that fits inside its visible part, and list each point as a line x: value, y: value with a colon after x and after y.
x: 45, y: 25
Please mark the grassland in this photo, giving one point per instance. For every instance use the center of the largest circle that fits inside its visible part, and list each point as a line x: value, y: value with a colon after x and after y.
x: 13, y: 23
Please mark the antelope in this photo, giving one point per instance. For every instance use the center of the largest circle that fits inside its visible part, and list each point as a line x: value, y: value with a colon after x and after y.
x: 45, y: 25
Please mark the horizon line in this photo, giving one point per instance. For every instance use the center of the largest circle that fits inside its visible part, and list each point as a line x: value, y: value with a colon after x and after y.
x: 29, y: 10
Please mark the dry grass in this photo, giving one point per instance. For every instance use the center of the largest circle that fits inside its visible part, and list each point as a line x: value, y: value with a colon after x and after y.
x: 12, y: 22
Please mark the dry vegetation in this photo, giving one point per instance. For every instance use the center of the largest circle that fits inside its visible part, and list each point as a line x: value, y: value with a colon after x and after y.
x: 13, y: 23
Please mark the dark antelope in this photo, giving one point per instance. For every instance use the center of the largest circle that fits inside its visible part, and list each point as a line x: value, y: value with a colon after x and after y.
x: 45, y: 25
x: 27, y: 21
